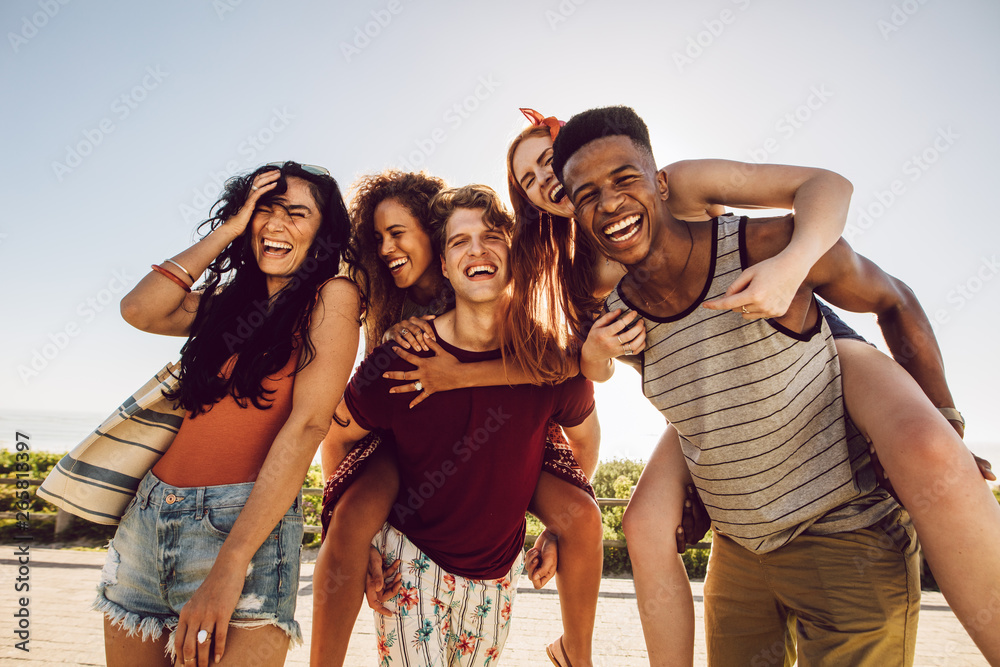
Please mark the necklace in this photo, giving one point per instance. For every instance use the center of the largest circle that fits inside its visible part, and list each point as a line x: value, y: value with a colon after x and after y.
x: 687, y: 260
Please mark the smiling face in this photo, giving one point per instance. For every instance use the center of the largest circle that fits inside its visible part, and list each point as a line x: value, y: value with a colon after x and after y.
x: 475, y: 257
x: 403, y: 245
x: 283, y: 231
x: 617, y: 193
x: 532, y: 169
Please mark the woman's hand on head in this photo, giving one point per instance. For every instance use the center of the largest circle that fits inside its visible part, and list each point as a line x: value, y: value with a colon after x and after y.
x: 441, y: 372
x: 765, y: 289
x: 209, y: 609
x: 411, y: 334
x: 263, y: 183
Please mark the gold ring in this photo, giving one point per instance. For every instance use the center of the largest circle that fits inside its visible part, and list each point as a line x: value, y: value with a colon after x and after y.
x: 745, y: 311
x: 254, y: 188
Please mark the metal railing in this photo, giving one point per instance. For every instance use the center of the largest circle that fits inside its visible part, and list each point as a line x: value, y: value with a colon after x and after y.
x: 310, y: 528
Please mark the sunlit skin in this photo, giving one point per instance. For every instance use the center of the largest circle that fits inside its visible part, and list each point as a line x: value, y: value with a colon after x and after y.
x: 283, y: 231
x: 406, y: 250
x: 618, y: 196
x: 532, y: 163
x: 475, y: 257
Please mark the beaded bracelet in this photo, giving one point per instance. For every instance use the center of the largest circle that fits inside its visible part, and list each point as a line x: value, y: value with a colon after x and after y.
x: 169, y: 274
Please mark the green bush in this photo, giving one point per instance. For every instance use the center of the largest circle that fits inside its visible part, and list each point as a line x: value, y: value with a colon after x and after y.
x: 39, y: 464
x: 312, y: 506
x: 615, y: 479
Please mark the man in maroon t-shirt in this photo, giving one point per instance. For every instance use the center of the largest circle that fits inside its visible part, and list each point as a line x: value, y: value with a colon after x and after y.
x: 468, y: 459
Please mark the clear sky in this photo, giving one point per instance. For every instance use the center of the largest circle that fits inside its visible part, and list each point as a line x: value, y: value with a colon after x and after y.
x: 121, y: 118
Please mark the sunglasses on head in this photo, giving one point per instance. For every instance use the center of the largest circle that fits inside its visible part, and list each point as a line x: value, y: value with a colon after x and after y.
x: 309, y: 168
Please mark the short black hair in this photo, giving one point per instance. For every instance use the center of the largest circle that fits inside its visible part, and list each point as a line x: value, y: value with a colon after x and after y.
x: 594, y: 124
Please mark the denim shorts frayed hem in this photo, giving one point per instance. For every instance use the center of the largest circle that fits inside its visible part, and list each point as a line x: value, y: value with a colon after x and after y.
x: 150, y: 628
x: 184, y: 528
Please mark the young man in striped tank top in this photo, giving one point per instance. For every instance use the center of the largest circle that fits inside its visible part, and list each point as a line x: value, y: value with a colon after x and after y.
x: 803, y: 532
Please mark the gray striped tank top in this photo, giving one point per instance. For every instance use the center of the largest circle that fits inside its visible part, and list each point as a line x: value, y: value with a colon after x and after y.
x: 760, y: 412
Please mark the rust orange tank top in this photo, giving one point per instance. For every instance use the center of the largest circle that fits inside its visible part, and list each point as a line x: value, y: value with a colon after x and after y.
x: 228, y: 444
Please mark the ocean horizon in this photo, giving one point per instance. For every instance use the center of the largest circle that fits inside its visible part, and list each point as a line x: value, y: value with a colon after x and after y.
x: 47, y: 430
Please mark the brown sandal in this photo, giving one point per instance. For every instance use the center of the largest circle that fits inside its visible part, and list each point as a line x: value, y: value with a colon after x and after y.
x: 552, y: 655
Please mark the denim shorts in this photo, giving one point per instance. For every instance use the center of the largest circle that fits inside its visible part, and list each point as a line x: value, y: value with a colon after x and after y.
x: 165, y: 545
x: 838, y: 327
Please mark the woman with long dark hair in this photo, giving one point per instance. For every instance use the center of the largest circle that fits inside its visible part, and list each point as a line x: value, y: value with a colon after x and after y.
x: 209, y: 548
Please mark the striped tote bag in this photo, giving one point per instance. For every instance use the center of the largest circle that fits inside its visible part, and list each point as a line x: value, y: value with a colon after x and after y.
x: 98, y: 479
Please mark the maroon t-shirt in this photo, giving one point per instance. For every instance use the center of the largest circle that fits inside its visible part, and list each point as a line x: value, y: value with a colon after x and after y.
x: 469, y: 459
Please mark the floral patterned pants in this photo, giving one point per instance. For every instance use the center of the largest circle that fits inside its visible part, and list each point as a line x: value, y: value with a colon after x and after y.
x: 441, y: 620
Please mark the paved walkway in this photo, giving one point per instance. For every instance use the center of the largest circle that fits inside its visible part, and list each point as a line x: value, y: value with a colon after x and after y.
x: 63, y: 631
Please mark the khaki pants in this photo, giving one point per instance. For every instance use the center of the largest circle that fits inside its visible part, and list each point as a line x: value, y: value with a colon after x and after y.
x: 843, y: 599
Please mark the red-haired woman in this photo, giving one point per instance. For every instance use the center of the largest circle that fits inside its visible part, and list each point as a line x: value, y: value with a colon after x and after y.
x: 550, y: 258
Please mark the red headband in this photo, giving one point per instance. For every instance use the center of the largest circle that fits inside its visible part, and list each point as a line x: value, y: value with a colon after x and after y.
x: 552, y: 122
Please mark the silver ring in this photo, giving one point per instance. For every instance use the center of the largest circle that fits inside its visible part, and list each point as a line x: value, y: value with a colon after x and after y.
x: 628, y: 348
x: 620, y: 340
x: 417, y: 386
x: 203, y: 636
x: 254, y: 188
x: 404, y: 331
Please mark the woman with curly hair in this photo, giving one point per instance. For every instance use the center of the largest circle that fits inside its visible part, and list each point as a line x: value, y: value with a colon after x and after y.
x: 209, y: 547
x: 392, y: 240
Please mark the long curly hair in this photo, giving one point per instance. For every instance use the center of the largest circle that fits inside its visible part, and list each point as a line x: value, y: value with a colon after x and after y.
x: 554, y: 274
x: 413, y: 191
x: 236, y: 314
